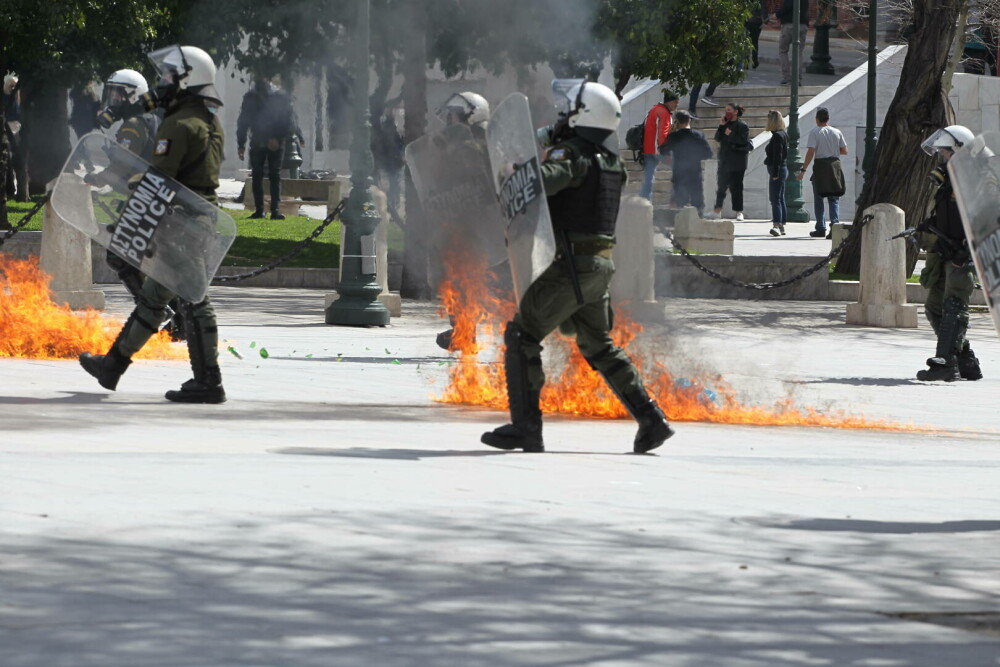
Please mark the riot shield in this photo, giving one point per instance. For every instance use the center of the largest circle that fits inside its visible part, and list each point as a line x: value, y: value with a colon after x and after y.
x: 975, y: 176
x: 149, y: 220
x: 531, y: 244
x: 450, y: 170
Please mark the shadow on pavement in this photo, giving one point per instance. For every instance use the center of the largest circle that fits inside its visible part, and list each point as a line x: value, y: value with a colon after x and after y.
x: 887, y: 527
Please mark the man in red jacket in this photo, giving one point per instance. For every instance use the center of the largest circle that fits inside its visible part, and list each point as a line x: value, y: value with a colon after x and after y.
x: 655, y: 135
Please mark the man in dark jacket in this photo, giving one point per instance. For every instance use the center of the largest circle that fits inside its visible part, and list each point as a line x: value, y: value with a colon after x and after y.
x: 689, y: 147
x: 267, y: 114
x: 786, y: 14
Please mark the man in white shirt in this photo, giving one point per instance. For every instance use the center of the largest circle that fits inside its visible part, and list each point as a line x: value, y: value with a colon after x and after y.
x: 824, y: 142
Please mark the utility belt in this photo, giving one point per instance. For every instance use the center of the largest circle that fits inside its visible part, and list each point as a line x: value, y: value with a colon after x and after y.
x: 593, y: 248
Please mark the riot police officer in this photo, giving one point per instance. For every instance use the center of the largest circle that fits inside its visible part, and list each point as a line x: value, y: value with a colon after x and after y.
x: 949, y: 273
x: 188, y: 148
x: 137, y: 133
x: 583, y: 180
x: 471, y: 109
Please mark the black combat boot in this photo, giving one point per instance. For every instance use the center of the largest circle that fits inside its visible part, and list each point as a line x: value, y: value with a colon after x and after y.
x: 206, y: 385
x: 968, y: 364
x: 654, y: 429
x: 443, y: 339
x: 940, y: 369
x: 204, y: 389
x: 107, y: 368
x: 525, y: 430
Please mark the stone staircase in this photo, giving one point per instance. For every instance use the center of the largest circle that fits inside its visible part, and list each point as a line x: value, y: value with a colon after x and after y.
x: 756, y: 101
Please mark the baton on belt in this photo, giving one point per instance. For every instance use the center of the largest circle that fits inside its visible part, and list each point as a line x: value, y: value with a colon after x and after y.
x: 571, y: 265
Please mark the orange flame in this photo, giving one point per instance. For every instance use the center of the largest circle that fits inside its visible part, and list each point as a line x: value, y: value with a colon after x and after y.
x: 579, y: 390
x: 32, y: 326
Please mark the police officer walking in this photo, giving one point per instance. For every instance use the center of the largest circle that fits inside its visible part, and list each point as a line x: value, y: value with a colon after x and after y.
x: 472, y: 110
x: 583, y: 181
x: 949, y: 272
x: 188, y: 148
x: 137, y: 133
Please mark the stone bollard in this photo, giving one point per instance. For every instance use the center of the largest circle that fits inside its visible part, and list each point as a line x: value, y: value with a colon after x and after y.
x: 390, y: 300
x: 65, y: 255
x: 882, y: 301
x: 715, y: 237
x: 633, y: 258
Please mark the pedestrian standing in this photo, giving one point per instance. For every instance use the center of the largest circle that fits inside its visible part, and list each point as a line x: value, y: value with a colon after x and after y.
x: 776, y: 153
x: 12, y: 128
x: 826, y: 144
x: 266, y: 113
x: 583, y: 181
x: 654, y: 134
x: 688, y: 148
x: 188, y: 149
x: 733, y: 136
x: 786, y: 15
x: 949, y: 273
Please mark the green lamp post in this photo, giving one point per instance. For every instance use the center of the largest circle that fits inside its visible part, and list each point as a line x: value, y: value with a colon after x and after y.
x: 358, y: 288
x: 825, y: 19
x: 793, y: 186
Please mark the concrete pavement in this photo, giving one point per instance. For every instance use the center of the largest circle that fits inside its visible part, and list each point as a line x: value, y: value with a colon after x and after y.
x: 332, y: 513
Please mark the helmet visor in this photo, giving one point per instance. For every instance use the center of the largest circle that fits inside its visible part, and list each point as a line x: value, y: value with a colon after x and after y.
x: 169, y: 62
x: 940, y: 139
x: 561, y: 89
x: 116, y: 94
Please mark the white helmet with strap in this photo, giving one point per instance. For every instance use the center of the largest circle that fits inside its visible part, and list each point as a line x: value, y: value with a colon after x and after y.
x: 471, y: 108
x: 594, y: 105
x: 952, y: 137
x: 129, y: 83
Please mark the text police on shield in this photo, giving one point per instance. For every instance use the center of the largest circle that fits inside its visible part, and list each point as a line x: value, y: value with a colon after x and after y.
x: 521, y: 188
x: 143, y: 211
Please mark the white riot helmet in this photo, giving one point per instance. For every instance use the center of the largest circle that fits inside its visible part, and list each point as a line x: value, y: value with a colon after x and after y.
x: 9, y: 81
x: 952, y: 137
x: 470, y: 108
x: 185, y: 68
x: 125, y: 85
x: 594, y: 105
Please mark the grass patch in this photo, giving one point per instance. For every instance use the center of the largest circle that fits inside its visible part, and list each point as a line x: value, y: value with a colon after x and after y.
x: 17, y: 210
x: 260, y: 242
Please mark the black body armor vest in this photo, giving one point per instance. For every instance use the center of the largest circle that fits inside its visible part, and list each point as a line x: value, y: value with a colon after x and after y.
x: 591, y: 208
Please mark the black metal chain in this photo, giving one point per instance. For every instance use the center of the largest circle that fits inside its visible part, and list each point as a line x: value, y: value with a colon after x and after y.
x: 855, y: 229
x: 291, y: 254
x: 27, y: 218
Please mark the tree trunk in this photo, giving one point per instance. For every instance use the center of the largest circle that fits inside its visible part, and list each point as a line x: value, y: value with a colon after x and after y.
x: 414, y: 71
x: 45, y: 131
x: 900, y: 170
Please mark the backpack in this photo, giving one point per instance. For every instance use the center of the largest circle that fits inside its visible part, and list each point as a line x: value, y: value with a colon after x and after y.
x: 635, y: 136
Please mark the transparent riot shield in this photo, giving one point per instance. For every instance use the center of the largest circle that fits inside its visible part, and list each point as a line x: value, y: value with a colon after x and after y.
x: 450, y: 170
x: 531, y: 244
x: 150, y: 220
x: 975, y: 176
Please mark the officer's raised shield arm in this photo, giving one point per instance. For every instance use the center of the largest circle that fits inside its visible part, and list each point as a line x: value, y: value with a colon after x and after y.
x: 151, y: 221
x: 516, y: 170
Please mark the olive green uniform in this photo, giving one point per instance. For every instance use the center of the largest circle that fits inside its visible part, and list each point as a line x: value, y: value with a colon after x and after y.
x: 550, y: 301
x: 188, y: 148
x: 134, y: 134
x: 583, y: 183
x: 950, y: 277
